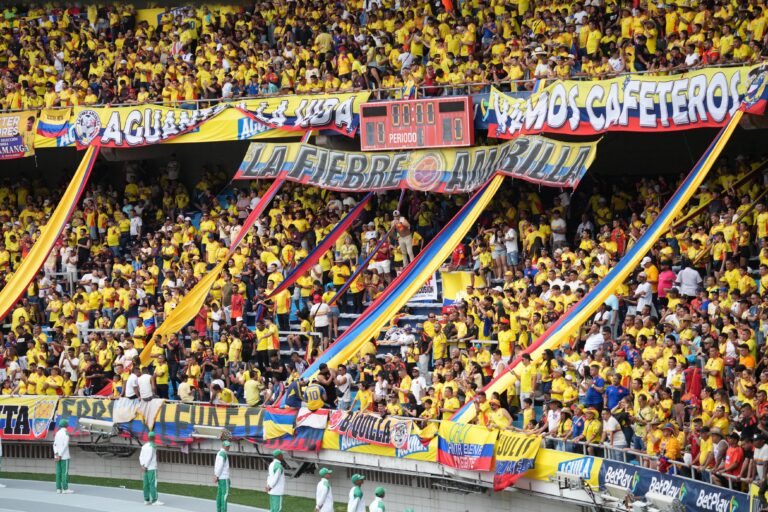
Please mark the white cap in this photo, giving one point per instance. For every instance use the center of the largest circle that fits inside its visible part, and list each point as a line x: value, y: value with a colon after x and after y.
x: 645, y: 261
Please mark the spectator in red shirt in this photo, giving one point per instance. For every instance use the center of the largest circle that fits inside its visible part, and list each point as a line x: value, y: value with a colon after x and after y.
x: 381, y: 262
x: 458, y: 257
x: 731, y: 464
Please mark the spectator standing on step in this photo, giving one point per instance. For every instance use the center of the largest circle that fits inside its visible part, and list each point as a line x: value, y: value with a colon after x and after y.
x: 148, y: 462
x: 276, y: 482
x: 404, y: 237
x: 221, y: 477
x: 61, y: 456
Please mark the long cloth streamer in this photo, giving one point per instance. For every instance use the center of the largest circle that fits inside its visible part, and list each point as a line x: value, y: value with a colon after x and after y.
x: 399, y: 291
x: 49, y: 234
x: 191, y: 303
x: 702, y: 208
x: 580, y: 312
x: 321, y: 248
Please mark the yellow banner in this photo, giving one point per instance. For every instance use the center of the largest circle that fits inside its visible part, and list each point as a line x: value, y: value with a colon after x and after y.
x: 415, y: 449
x: 549, y: 462
x: 17, y: 134
x: 515, y: 454
x: 284, y: 116
x: 455, y: 284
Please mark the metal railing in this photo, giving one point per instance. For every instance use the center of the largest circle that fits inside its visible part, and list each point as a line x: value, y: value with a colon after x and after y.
x: 520, y: 87
x: 650, y: 461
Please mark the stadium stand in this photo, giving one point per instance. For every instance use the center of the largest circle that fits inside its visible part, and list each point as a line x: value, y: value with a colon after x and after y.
x: 674, y: 362
x: 71, y: 55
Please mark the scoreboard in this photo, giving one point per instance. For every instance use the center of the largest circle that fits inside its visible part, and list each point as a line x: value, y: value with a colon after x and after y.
x: 417, y: 124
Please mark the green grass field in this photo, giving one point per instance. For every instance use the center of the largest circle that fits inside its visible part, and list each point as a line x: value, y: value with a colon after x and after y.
x: 246, y: 497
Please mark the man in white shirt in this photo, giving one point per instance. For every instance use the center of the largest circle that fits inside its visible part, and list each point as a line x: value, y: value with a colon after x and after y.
x: 131, y: 389
x: 221, y: 477
x: 136, y: 223
x: 318, y: 314
x: 553, y: 417
x: 689, y: 281
x: 68, y: 362
x: 558, y: 226
x: 324, y: 493
x: 146, y: 385
x: 418, y: 385
x: 61, y: 457
x: 276, y: 482
x: 760, y: 457
x: 594, y: 339
x: 644, y: 293
x: 510, y: 244
x: 148, y: 463
x: 612, y: 434
x: 129, y: 351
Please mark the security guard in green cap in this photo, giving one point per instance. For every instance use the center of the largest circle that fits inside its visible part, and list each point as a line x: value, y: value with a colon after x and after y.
x: 61, y: 456
x: 324, y: 493
x: 221, y: 477
x: 148, y: 463
x: 377, y: 505
x: 276, y: 482
x: 356, y: 503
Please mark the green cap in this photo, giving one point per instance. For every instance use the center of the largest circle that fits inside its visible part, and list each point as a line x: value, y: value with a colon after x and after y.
x: 325, y: 471
x: 356, y: 478
x: 226, y: 443
x: 379, y: 492
x: 151, y: 435
x: 63, y: 422
x: 277, y: 453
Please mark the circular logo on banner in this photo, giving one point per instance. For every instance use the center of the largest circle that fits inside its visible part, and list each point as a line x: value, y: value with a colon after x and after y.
x: 400, y: 434
x: 87, y: 126
x: 334, y: 419
x: 756, y: 85
x: 426, y: 172
x: 40, y: 417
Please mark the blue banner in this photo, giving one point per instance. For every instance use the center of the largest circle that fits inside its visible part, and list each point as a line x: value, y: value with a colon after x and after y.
x: 693, y: 495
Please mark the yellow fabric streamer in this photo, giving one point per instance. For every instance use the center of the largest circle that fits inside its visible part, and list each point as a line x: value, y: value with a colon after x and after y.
x: 30, y: 265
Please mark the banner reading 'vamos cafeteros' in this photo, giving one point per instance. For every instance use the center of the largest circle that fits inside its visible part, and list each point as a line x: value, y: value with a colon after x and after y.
x: 697, y: 99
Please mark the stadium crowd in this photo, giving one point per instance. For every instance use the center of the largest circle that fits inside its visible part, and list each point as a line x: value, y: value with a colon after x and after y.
x: 674, y: 363
x: 54, y: 54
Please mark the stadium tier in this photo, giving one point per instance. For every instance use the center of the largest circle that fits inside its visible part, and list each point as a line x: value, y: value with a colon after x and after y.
x: 452, y: 234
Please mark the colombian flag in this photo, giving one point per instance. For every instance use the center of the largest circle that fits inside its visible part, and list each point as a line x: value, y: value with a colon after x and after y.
x: 464, y: 446
x: 278, y: 422
x: 149, y: 323
x: 53, y: 122
x: 560, y: 332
